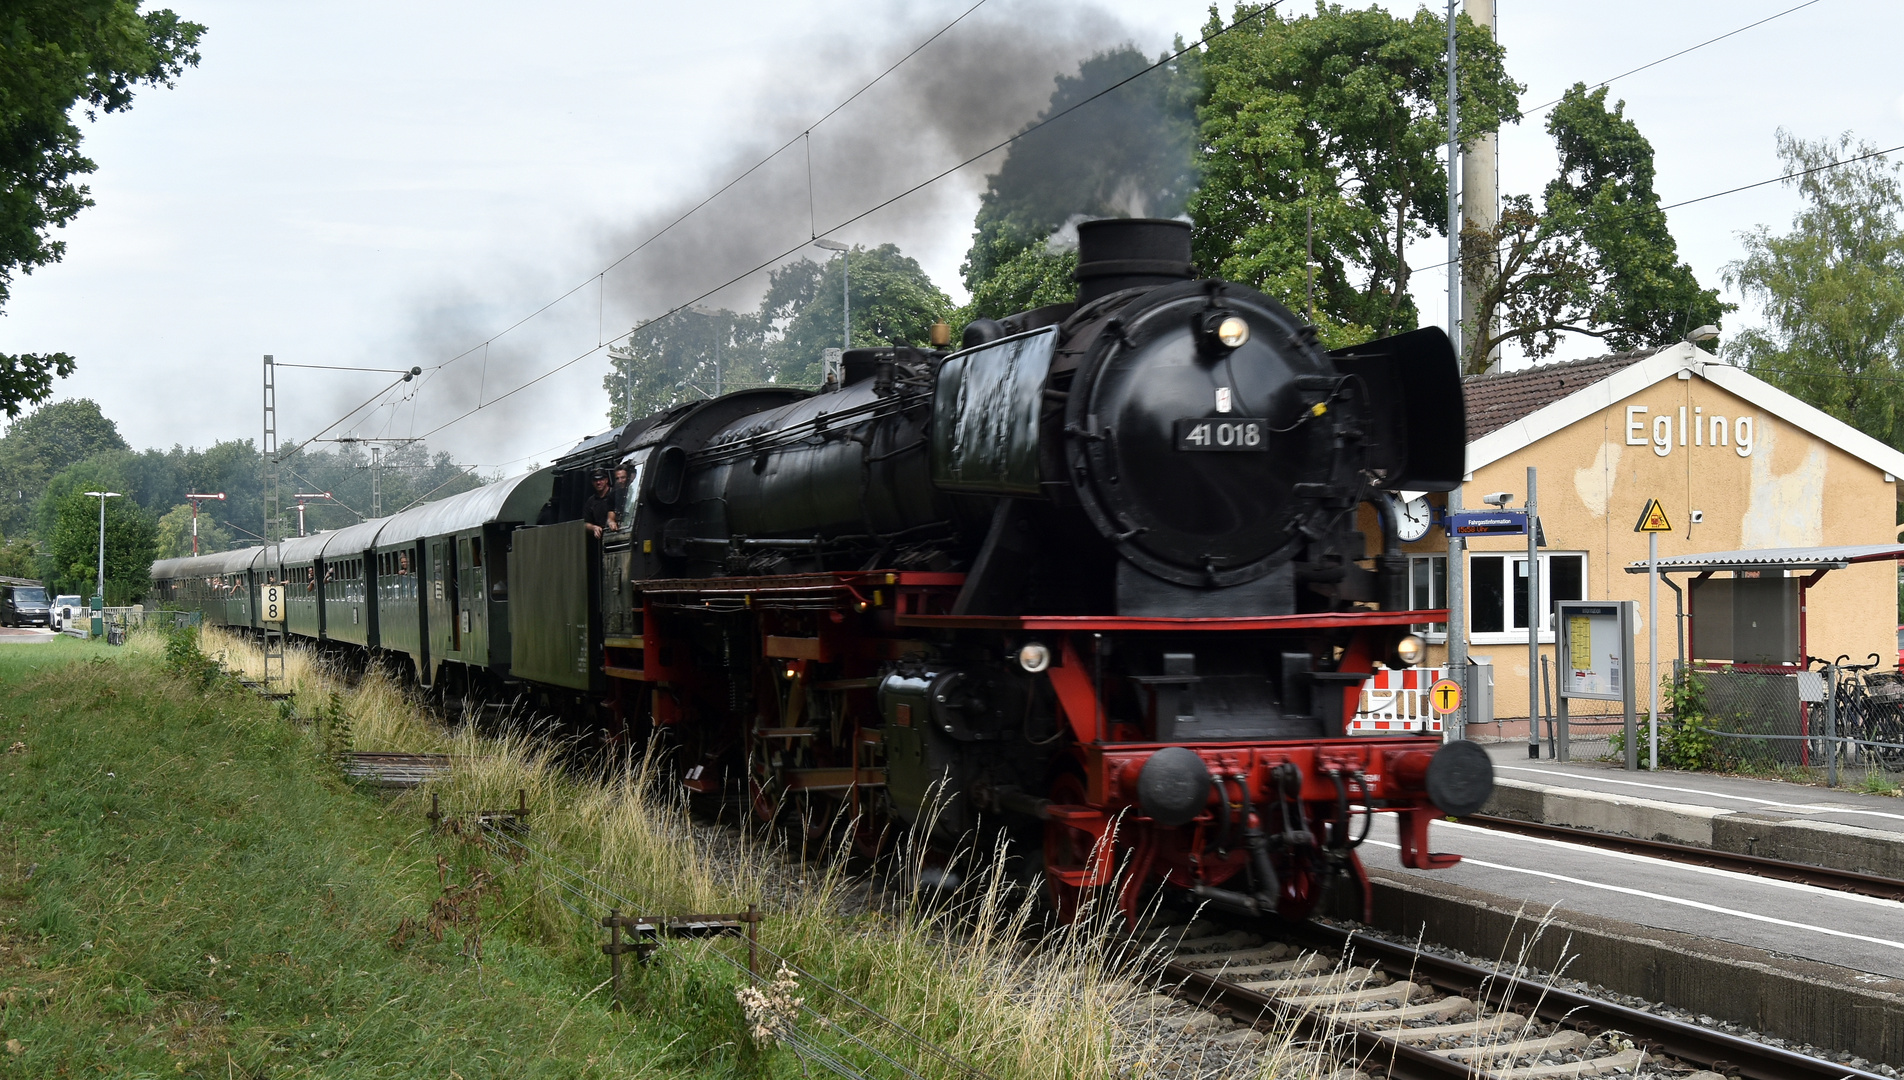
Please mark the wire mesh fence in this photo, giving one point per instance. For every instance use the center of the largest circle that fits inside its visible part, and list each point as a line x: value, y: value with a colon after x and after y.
x: 1840, y: 724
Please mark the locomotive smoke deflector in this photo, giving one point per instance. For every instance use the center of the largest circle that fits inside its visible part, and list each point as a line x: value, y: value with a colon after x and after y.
x: 1417, y: 427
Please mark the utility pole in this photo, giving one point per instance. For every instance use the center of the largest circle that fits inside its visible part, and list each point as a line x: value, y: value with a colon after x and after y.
x: 1480, y: 195
x: 1454, y: 193
x: 376, y: 480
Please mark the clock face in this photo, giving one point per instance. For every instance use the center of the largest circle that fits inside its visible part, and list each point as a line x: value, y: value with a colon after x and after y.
x: 1413, y: 517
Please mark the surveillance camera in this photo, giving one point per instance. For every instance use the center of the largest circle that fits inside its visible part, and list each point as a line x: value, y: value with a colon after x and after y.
x: 1698, y: 516
x: 1499, y: 498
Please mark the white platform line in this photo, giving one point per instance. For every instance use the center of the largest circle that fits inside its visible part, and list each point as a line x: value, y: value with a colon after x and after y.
x: 1810, y: 808
x: 1681, y: 901
x: 1574, y: 848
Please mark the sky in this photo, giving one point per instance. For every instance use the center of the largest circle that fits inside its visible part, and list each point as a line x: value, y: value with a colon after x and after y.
x: 387, y: 185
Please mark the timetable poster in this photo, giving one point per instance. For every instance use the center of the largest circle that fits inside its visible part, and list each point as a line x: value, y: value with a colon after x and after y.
x: 1592, y: 649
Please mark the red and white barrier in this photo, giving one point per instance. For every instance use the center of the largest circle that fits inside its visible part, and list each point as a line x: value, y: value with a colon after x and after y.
x: 1395, y: 702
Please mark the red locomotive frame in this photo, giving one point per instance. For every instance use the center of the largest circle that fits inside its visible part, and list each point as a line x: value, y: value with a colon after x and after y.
x: 832, y: 632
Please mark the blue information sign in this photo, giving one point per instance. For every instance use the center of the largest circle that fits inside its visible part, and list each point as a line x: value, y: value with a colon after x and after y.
x: 1488, y: 523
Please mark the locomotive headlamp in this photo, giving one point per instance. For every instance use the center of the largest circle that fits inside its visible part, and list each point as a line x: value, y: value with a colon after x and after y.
x: 1409, y: 650
x: 1223, y: 330
x: 1034, y: 657
x: 1232, y: 331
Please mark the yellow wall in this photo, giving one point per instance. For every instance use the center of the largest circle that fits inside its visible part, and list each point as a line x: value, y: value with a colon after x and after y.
x: 1792, y: 490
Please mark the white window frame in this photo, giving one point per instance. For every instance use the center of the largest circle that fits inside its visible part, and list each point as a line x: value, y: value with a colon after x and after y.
x: 1432, y: 632
x: 1511, y: 561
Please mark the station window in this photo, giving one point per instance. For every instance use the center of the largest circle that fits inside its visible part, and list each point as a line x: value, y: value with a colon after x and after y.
x: 1428, y: 588
x: 1497, y: 591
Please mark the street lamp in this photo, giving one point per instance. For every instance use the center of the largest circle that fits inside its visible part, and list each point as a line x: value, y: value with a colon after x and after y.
x: 846, y: 295
x: 102, y: 496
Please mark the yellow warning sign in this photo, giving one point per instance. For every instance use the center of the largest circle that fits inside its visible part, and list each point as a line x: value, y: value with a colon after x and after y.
x: 1444, y: 697
x: 1653, y: 518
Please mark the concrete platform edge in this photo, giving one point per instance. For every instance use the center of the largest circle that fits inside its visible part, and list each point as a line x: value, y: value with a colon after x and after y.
x: 1817, y: 843
x: 1797, y: 1000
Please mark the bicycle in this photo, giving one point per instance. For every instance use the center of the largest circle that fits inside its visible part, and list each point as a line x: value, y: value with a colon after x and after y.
x: 1870, y: 722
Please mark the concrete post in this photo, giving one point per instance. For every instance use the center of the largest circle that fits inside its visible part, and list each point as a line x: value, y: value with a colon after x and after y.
x: 1480, y: 194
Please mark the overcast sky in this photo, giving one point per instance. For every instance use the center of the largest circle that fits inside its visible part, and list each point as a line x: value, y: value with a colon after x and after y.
x: 392, y: 184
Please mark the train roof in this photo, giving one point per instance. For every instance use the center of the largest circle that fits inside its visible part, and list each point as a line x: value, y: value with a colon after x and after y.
x: 299, y: 550
x: 352, y: 540
x: 218, y: 562
x: 518, y: 498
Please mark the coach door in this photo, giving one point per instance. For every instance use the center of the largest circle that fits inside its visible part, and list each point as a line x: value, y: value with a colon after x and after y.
x: 470, y: 623
x: 443, y: 596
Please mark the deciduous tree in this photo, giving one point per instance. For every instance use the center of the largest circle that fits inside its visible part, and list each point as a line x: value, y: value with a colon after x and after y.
x: 130, y: 536
x: 37, y: 446
x: 1341, y: 114
x: 1129, y: 153
x: 1832, y: 289
x: 174, y: 539
x: 57, y: 56
x: 1597, y: 258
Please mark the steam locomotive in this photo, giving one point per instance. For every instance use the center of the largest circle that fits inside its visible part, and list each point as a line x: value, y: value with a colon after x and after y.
x: 1098, y: 580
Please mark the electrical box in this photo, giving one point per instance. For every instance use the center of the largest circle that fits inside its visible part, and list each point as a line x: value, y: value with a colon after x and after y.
x: 1480, y: 690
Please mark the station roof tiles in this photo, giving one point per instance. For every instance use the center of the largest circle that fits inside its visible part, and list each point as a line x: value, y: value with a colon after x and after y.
x: 1495, y: 401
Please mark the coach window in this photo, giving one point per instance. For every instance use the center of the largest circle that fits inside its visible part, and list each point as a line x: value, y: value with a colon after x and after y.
x: 1498, y: 592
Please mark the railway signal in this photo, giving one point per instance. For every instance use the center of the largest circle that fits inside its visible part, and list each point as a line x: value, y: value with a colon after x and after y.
x: 195, y: 499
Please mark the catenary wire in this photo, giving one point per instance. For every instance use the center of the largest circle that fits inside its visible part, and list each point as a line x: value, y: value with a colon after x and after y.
x: 805, y: 133
x: 933, y: 179
x: 1636, y: 208
x: 1674, y: 56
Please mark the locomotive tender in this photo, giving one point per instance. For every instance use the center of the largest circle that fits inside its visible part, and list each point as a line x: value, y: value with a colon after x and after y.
x: 1096, y: 579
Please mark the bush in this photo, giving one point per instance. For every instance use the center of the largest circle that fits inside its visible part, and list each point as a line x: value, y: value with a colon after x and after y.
x: 186, y: 660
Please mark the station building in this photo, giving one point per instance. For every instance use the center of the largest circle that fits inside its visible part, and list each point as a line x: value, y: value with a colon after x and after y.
x: 1735, y: 462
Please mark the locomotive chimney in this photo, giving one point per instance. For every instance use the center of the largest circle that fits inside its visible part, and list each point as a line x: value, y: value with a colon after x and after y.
x: 1130, y: 253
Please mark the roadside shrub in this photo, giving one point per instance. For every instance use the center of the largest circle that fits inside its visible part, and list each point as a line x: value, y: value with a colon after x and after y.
x: 186, y: 660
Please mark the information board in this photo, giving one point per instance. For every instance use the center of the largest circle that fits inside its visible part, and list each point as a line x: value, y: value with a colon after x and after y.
x: 1487, y: 523
x: 1592, y: 649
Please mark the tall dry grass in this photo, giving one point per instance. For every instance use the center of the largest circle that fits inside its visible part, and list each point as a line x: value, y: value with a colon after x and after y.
x: 964, y: 971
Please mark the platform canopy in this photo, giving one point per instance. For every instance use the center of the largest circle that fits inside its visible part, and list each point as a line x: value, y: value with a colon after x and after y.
x: 1794, y: 558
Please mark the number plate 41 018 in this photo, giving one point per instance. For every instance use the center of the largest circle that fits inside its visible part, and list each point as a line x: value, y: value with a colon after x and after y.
x: 1239, y: 434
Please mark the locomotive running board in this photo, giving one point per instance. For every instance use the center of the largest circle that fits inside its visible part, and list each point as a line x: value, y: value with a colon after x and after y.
x: 1059, y: 623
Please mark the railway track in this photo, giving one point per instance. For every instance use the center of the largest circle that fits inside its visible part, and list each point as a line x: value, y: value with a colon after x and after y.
x: 1759, y: 866
x: 1412, y: 1015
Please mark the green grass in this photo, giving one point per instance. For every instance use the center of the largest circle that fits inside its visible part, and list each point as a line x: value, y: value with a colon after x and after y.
x: 187, y: 888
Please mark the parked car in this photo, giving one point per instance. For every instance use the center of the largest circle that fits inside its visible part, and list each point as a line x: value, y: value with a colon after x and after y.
x: 24, y: 605
x: 65, y: 608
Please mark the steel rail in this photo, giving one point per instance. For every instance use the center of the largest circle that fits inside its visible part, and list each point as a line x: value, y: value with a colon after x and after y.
x: 1659, y: 1036
x: 1823, y: 877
